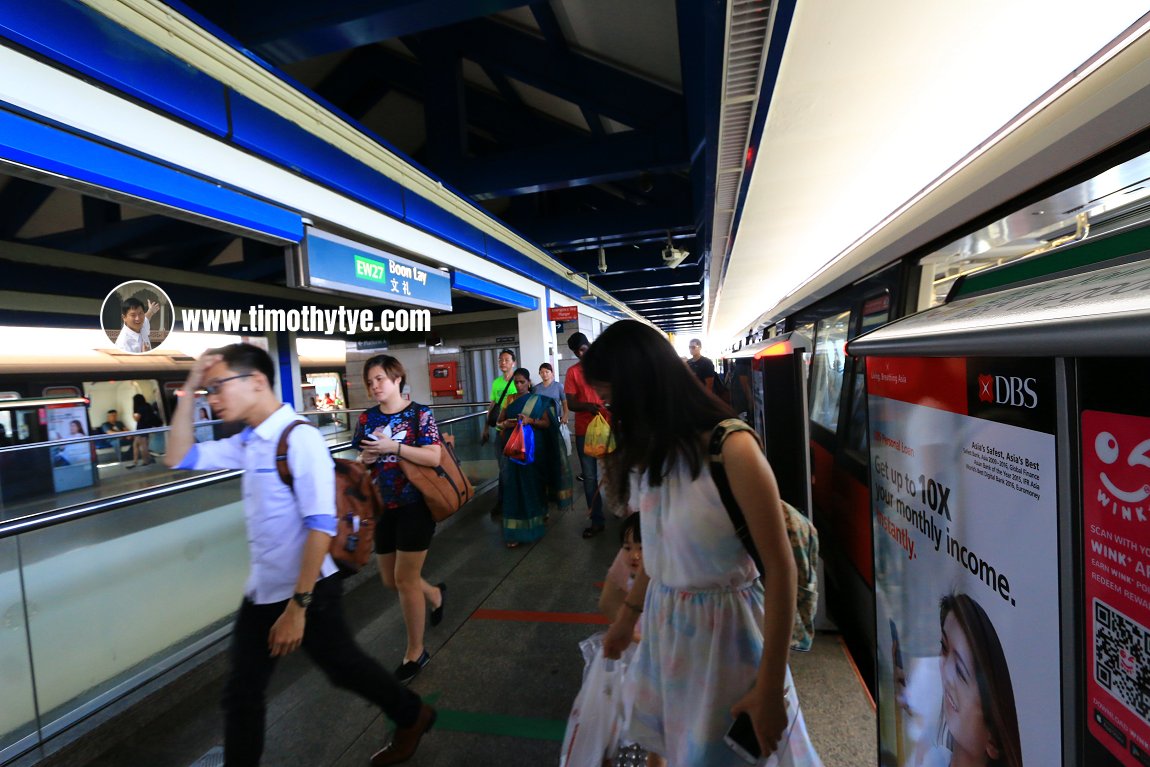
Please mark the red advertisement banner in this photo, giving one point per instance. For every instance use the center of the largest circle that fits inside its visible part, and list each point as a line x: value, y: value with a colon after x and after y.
x: 930, y: 382
x: 1116, y: 526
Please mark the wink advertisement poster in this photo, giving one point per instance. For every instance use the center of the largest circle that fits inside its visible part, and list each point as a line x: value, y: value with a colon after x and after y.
x: 963, y: 499
x: 1116, y: 514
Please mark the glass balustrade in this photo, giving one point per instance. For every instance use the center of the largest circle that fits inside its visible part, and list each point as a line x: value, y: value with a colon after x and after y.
x: 18, y: 712
x: 98, y: 596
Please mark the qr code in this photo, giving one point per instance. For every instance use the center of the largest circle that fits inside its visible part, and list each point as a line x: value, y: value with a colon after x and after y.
x: 1122, y: 658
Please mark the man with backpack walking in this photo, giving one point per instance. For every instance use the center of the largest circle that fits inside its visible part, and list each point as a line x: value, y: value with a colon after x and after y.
x: 292, y: 597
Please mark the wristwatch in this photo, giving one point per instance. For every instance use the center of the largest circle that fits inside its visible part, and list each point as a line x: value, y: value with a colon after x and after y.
x: 302, y: 598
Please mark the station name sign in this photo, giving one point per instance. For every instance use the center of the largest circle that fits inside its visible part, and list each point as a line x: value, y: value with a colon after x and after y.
x: 333, y: 263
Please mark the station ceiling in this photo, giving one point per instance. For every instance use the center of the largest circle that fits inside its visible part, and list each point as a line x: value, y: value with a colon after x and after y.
x: 579, y: 123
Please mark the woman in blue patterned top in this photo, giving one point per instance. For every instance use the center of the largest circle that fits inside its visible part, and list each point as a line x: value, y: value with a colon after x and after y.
x: 392, y: 431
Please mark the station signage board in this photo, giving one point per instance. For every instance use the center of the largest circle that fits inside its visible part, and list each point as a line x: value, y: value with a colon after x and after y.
x: 563, y: 313
x: 336, y: 264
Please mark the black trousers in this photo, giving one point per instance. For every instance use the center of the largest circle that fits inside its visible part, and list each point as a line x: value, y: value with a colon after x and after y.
x: 328, y: 642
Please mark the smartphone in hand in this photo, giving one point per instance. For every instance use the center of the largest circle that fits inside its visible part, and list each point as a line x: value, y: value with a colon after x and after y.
x: 741, y: 739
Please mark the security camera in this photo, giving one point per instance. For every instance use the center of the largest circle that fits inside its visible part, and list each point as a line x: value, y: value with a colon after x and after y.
x: 602, y: 261
x: 672, y: 257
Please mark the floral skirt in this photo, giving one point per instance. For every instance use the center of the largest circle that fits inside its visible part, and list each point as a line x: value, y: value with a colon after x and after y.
x: 699, y: 654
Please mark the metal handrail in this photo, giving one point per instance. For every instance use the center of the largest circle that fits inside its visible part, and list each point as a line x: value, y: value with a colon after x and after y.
x: 162, y: 429
x: 45, y: 519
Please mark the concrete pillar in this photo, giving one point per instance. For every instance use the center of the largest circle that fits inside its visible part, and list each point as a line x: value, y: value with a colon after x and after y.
x: 536, y: 340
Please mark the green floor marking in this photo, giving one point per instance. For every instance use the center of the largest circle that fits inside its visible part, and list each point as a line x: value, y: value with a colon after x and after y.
x: 496, y: 724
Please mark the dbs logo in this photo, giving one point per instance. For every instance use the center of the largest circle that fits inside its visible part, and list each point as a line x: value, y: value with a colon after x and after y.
x: 1008, y: 390
x: 986, y: 388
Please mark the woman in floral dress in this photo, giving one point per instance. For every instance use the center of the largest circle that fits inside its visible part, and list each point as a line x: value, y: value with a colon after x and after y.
x: 715, y: 638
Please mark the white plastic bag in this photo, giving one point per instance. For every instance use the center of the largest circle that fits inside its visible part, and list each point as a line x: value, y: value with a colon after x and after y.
x: 565, y: 435
x: 599, y: 717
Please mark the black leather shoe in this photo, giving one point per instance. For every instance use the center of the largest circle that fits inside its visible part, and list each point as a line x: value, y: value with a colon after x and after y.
x: 592, y: 531
x: 408, y: 670
x: 437, y: 613
x: 405, y: 740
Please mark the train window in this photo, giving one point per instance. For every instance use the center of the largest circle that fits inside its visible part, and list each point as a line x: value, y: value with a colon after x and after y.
x: 1110, y: 201
x: 875, y: 312
x: 60, y: 391
x: 856, y: 424
x: 827, y: 369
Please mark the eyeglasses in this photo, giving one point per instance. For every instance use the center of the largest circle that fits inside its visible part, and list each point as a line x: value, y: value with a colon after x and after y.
x: 213, y: 389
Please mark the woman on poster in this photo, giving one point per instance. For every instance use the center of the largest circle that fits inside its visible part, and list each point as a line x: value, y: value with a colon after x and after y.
x: 978, y: 721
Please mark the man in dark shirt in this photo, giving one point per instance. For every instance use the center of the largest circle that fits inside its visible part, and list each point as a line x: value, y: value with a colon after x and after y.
x: 701, y: 366
x: 113, y: 425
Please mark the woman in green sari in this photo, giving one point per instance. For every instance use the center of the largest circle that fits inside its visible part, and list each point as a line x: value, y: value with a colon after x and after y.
x: 527, y: 489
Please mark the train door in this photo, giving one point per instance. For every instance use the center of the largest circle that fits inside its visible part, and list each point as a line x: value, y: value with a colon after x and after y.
x: 840, y: 488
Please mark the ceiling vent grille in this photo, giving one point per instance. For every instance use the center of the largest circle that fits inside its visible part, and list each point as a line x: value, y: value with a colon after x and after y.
x: 748, y: 31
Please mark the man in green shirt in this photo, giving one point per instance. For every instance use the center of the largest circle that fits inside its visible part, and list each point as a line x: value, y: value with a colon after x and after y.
x: 502, y: 389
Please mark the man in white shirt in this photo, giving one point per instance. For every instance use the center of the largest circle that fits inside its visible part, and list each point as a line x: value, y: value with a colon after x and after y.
x: 135, y: 336
x: 292, y: 598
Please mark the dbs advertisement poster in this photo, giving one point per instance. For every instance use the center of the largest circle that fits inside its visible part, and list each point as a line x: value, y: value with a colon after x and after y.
x: 1115, y: 453
x: 964, y: 505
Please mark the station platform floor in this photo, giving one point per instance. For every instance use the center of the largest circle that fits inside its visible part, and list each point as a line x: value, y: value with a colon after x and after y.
x: 504, y: 670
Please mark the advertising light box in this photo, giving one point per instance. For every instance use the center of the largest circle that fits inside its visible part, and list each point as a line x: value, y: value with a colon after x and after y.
x: 964, y: 507
x: 1115, y: 448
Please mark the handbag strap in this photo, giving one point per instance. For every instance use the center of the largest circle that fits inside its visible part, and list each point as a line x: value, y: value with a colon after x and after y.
x: 282, y: 466
x: 499, y: 401
x: 414, y: 425
x: 719, y: 474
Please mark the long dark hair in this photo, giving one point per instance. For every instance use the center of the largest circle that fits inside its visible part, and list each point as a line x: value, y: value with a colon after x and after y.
x: 991, y: 673
x: 659, y: 410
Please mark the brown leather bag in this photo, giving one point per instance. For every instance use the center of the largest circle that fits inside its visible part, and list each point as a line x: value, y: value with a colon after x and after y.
x: 357, y: 506
x: 445, y: 488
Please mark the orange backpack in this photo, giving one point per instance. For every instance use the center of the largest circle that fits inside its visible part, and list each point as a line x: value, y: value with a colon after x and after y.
x: 357, y: 506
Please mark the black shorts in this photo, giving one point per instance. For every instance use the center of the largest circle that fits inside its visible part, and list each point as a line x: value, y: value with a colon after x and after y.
x: 406, y: 528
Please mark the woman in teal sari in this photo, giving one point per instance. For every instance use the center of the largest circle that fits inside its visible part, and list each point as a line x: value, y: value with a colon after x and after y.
x: 527, y: 489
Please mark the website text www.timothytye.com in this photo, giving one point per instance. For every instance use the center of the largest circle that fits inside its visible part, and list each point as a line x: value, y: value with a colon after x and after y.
x: 307, y: 319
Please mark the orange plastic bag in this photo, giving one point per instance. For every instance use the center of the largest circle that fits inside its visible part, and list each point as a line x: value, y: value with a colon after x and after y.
x: 599, y: 440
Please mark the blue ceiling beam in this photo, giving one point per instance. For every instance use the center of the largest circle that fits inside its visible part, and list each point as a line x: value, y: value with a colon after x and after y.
x: 444, y: 111
x: 625, y: 260
x: 365, y: 76
x: 661, y: 293
x: 701, y: 41
x: 358, y: 83
x: 611, y: 228
x: 549, y: 25
x: 288, y: 31
x: 19, y: 201
x: 538, y: 169
x: 601, y: 88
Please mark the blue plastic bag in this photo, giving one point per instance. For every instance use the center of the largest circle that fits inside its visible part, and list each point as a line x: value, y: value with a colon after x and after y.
x: 521, y: 444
